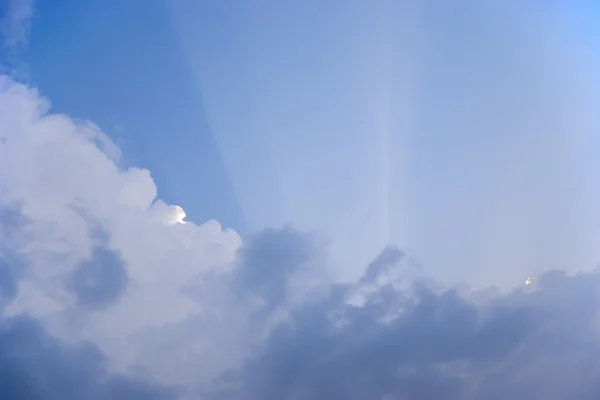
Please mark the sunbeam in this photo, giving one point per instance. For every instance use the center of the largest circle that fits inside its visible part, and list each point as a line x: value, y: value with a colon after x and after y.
x: 283, y: 200
x: 390, y: 122
x: 320, y: 137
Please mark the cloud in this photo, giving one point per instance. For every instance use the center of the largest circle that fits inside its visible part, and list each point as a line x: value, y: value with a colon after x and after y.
x: 36, y: 366
x: 95, y: 255
x: 521, y: 345
x: 8, y: 283
x: 15, y: 17
x: 106, y: 294
x: 269, y: 259
x: 99, y: 281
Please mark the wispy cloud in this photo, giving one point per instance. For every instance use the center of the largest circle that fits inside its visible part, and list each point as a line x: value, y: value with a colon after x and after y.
x: 15, y: 17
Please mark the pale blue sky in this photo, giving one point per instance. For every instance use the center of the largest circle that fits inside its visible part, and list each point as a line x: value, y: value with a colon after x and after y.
x: 369, y: 122
x: 464, y: 132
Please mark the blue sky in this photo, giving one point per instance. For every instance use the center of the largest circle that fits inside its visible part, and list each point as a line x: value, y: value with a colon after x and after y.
x: 352, y: 172
x: 384, y: 116
x: 91, y: 70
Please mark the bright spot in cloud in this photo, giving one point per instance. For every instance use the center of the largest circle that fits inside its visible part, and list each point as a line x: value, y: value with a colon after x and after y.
x: 178, y: 216
x: 89, y: 254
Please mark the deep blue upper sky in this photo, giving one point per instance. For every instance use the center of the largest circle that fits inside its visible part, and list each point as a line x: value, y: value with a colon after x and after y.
x: 120, y: 65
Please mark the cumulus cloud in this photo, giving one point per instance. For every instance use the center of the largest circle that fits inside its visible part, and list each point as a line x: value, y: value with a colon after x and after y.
x: 15, y: 16
x: 106, y: 294
x: 98, y: 256
x: 269, y: 259
x: 37, y: 366
x: 427, y: 344
x: 99, y: 281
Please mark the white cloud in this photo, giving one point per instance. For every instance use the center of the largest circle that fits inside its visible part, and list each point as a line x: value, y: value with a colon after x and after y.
x: 193, y: 305
x: 54, y: 173
x: 99, y: 257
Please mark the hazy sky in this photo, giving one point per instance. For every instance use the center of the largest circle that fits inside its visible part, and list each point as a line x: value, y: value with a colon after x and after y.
x: 458, y: 131
x: 341, y: 166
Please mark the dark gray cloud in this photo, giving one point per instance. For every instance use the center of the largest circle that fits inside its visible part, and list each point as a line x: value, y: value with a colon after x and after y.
x: 99, y: 281
x: 421, y: 343
x: 12, y: 225
x: 388, y: 258
x: 267, y: 259
x: 402, y: 342
x: 36, y: 366
x: 8, y: 283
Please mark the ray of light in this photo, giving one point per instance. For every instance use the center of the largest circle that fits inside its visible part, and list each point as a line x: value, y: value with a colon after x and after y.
x: 461, y: 130
x: 303, y: 120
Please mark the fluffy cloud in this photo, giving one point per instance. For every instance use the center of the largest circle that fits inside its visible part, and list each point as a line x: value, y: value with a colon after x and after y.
x: 37, y: 366
x: 100, y: 258
x: 106, y: 293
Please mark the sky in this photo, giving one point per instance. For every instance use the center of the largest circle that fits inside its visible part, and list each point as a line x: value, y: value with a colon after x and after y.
x: 321, y: 200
